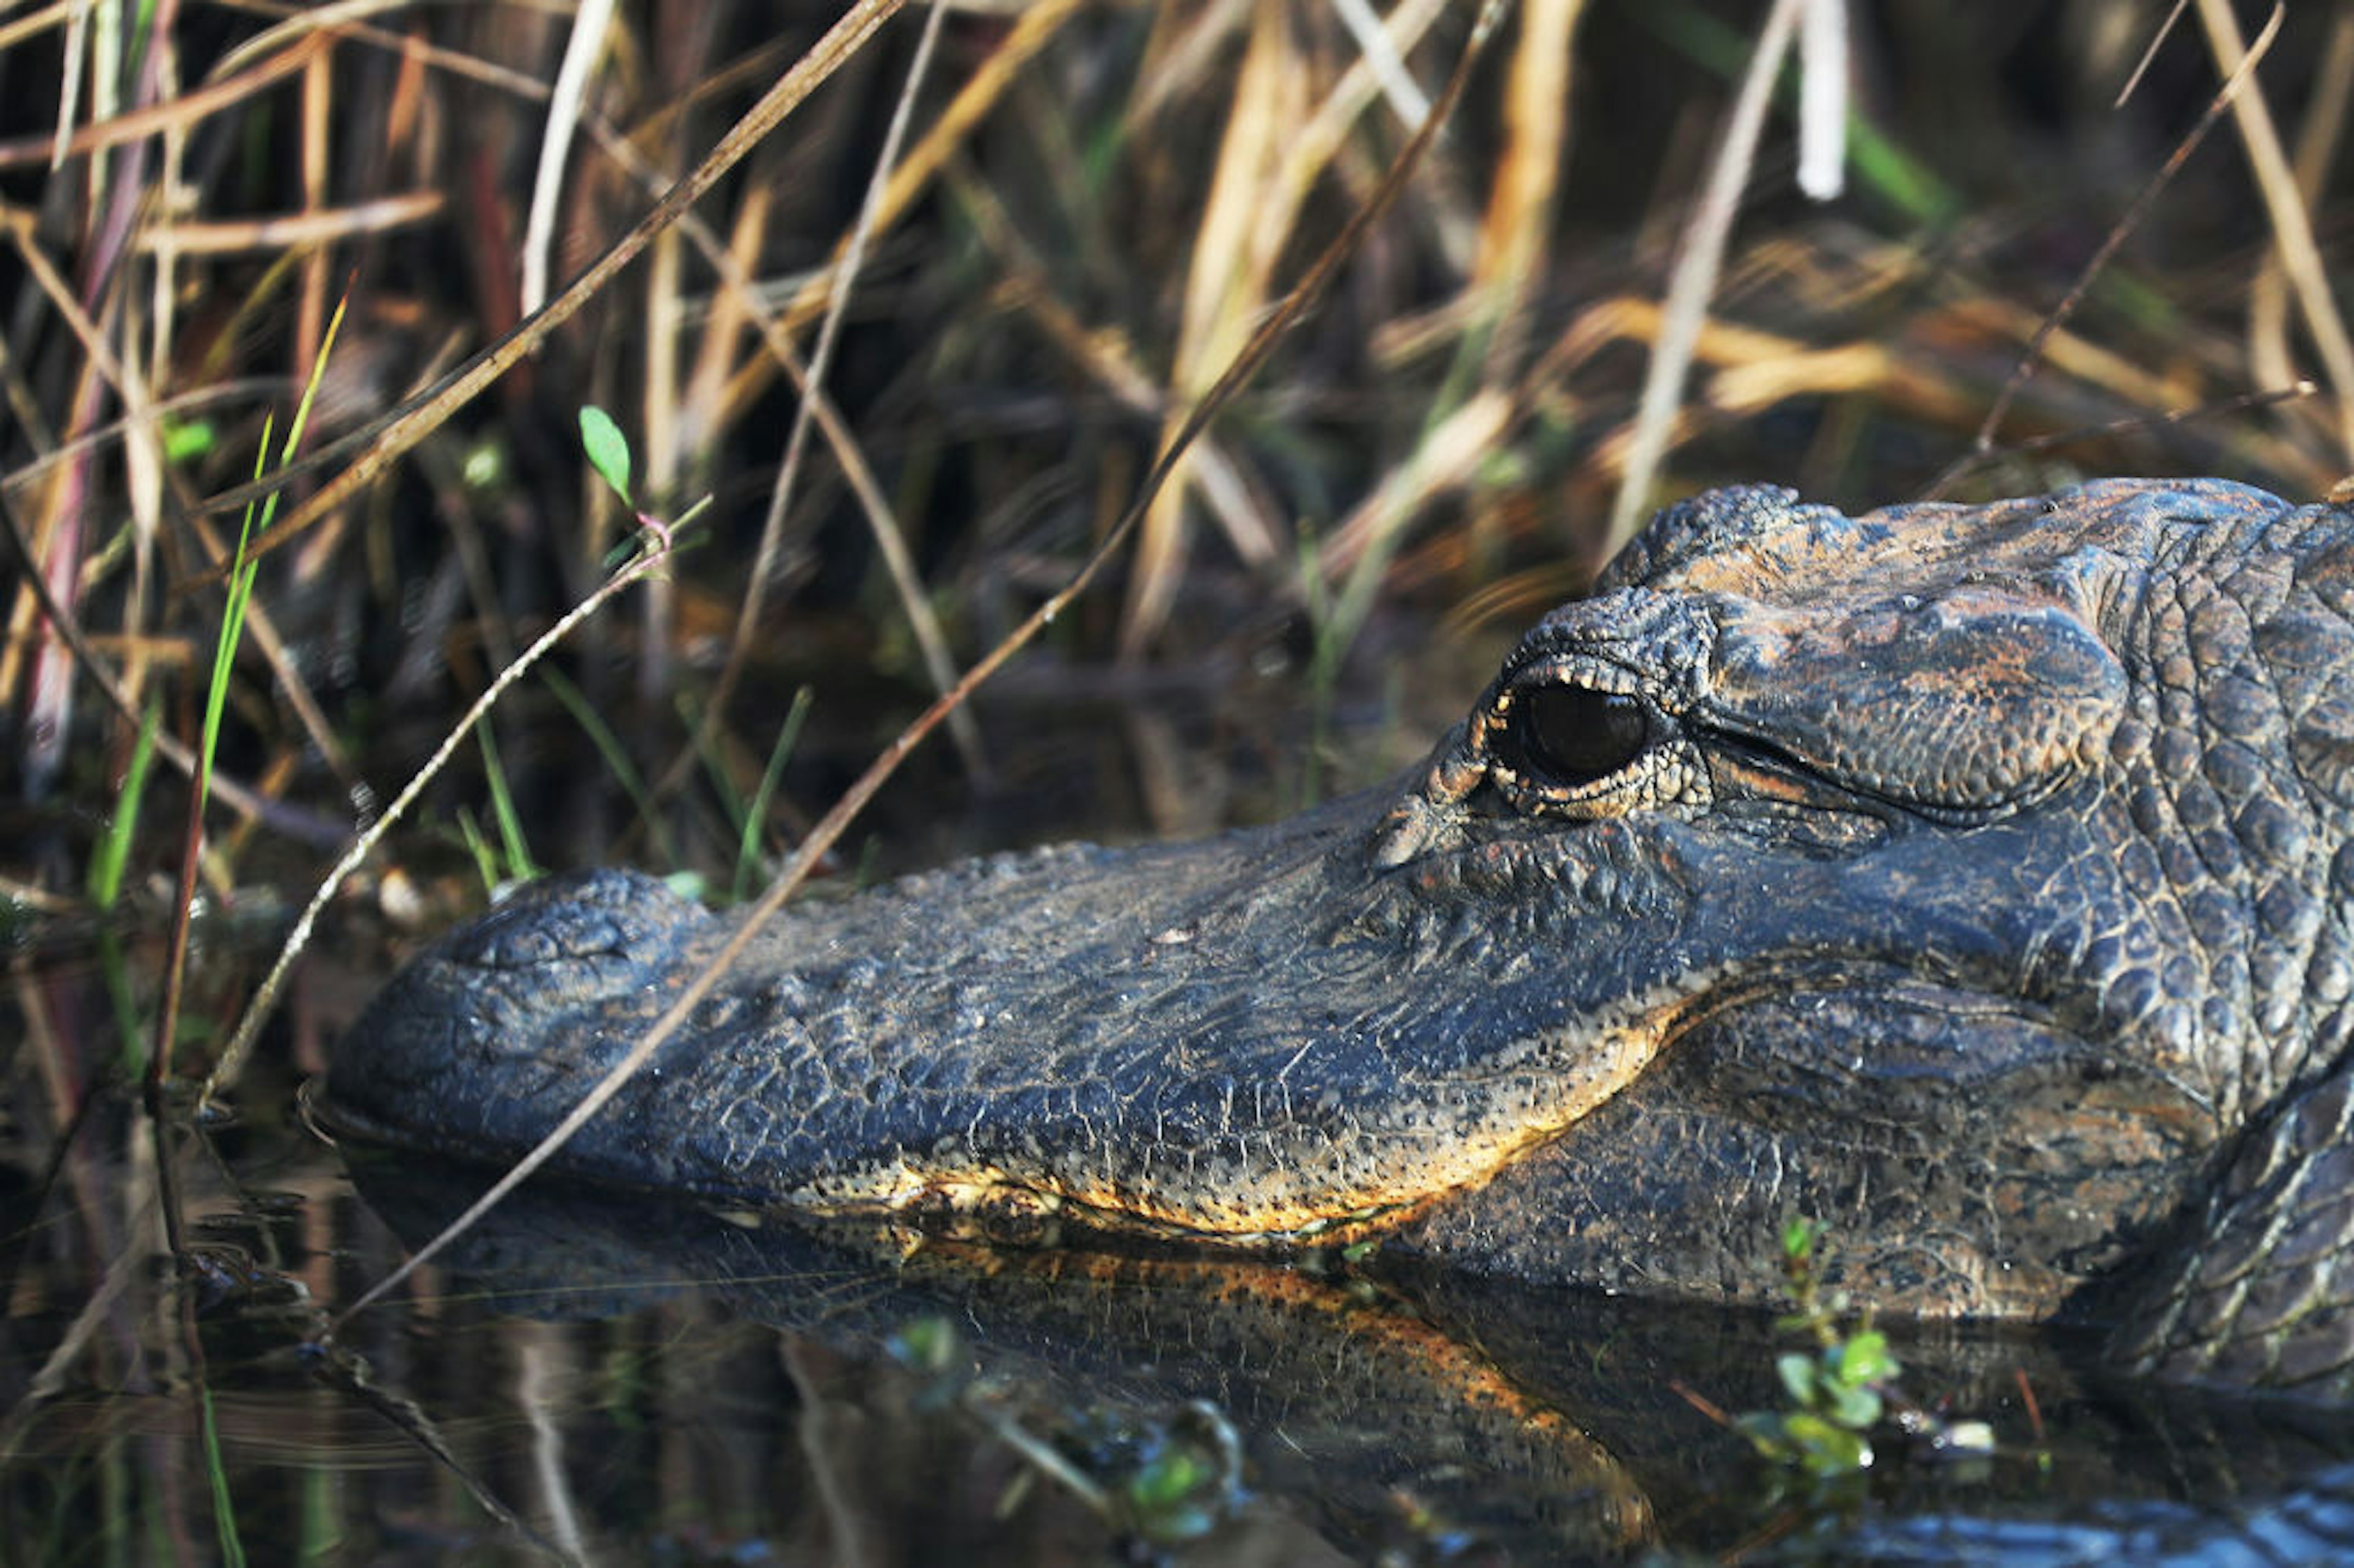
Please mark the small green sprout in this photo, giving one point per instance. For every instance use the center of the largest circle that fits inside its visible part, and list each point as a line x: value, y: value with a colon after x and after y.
x: 185, y: 440
x: 1160, y: 1481
x: 608, y: 449
x: 1838, y: 1393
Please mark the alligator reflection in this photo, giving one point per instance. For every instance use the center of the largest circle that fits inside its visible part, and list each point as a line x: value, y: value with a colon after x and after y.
x: 1436, y: 1417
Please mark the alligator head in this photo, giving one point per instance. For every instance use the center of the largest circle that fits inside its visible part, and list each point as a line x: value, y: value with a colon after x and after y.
x: 1969, y: 879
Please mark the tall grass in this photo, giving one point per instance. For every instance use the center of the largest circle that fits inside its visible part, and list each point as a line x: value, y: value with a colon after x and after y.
x: 244, y: 566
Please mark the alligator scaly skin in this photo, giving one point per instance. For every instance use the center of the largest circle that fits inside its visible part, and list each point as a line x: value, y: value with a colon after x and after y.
x: 1974, y: 878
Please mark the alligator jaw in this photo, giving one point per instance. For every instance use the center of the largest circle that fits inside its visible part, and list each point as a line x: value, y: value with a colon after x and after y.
x: 1208, y: 1041
x: 1005, y: 1202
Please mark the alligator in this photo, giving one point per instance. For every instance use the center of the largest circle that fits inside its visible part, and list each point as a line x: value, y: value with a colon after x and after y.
x: 1972, y: 879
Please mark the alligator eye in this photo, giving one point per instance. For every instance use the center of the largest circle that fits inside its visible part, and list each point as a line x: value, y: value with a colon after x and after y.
x: 1575, y: 735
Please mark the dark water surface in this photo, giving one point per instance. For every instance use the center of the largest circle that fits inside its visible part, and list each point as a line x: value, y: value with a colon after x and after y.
x: 613, y: 1380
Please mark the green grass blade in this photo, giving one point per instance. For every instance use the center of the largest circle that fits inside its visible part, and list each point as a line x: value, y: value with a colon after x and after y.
x: 514, y: 851
x: 113, y: 851
x: 310, y: 396
x: 486, y: 859
x: 608, y: 747
x: 224, y: 1512
x: 747, y: 846
x: 732, y: 804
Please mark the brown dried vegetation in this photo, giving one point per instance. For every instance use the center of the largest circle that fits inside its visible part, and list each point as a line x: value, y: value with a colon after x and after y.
x: 1013, y: 244
x: 1090, y: 209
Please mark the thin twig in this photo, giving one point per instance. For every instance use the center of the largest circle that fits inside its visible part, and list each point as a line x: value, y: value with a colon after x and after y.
x: 741, y: 290
x: 265, y: 999
x: 2142, y: 423
x: 930, y: 640
x: 2141, y: 66
x: 2293, y: 241
x: 2125, y: 226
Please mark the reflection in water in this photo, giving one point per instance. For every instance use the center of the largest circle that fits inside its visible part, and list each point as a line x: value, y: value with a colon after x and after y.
x: 604, y: 1380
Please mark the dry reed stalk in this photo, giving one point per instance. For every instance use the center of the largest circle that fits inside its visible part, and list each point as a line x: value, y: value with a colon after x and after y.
x: 665, y: 456
x: 2293, y: 241
x: 1242, y: 225
x: 310, y: 305
x: 1927, y: 392
x: 719, y: 346
x: 33, y: 24
x: 60, y: 541
x: 313, y: 229
x: 138, y: 124
x: 740, y: 297
x: 100, y: 360
x: 24, y: 603
x: 1700, y: 256
x: 582, y: 45
x: 2070, y: 352
x: 1229, y: 271
x: 1515, y: 230
x: 374, y: 448
x: 413, y: 51
x: 914, y: 174
x: 234, y: 793
x: 2270, y: 363
x: 1101, y: 351
x: 890, y: 540
x: 1447, y: 458
x: 69, y: 82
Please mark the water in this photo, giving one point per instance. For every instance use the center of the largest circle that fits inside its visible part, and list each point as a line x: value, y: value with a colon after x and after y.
x: 597, y: 1379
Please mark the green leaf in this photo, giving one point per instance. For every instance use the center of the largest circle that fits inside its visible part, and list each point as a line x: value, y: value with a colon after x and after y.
x: 1857, y: 1409
x: 1827, y: 1450
x: 1167, y: 1479
x: 925, y: 1345
x: 1798, y: 1376
x: 1765, y: 1433
x: 184, y: 440
x: 608, y: 449
x: 1866, y: 1358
